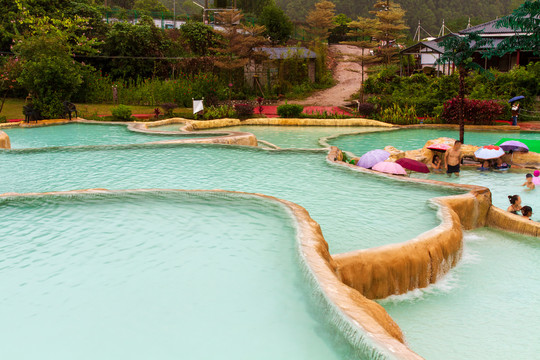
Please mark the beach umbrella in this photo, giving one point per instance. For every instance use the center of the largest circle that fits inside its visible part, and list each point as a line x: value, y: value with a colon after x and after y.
x: 489, y: 152
x: 516, y: 98
x: 372, y: 157
x: 439, y: 147
x: 513, y: 145
x: 389, y: 168
x: 413, y: 165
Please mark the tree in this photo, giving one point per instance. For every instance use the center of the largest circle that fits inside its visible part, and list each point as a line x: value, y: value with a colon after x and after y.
x: 363, y: 30
x: 126, y: 40
x: 254, y: 6
x: 237, y: 42
x: 525, y: 20
x: 200, y: 37
x: 46, y: 47
x: 459, y: 50
x: 391, y: 28
x: 321, y: 19
x: 339, y: 32
x: 149, y: 6
x: 278, y: 26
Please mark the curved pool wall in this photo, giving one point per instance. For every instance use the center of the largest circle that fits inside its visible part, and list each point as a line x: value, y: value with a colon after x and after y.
x: 450, y: 214
x: 345, y: 309
x: 4, y: 141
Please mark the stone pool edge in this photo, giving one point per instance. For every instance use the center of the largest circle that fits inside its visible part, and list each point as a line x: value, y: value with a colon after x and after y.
x: 380, y: 333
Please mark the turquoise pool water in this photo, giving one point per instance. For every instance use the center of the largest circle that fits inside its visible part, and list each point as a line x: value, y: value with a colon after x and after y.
x: 355, y: 211
x: 412, y: 139
x: 169, y: 127
x: 485, y: 308
x: 501, y: 184
x: 155, y: 276
x: 81, y: 134
x: 306, y: 137
x: 342, y: 201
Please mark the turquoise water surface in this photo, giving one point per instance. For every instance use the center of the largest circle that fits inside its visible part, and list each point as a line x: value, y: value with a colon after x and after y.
x: 412, y: 139
x: 342, y: 201
x: 485, y: 308
x: 155, y: 276
x: 81, y: 134
x: 501, y: 184
x: 306, y: 137
x: 73, y: 254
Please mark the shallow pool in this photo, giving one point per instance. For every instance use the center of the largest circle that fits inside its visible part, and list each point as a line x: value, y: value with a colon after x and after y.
x: 155, y: 276
x: 342, y: 201
x: 412, y: 139
x: 485, y: 308
x: 501, y: 184
x: 81, y: 134
x: 306, y: 137
x: 354, y: 210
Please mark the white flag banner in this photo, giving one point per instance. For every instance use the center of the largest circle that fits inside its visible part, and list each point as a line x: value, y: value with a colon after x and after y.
x: 197, y: 106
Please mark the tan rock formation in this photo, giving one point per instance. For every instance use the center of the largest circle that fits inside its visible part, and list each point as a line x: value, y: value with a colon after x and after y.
x: 4, y: 141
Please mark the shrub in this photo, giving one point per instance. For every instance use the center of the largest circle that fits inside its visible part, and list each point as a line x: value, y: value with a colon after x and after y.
x: 366, y: 109
x: 244, y: 110
x: 3, y: 119
x: 290, y: 110
x: 478, y: 112
x: 397, y: 115
x: 168, y: 108
x: 218, y: 112
x: 121, y: 113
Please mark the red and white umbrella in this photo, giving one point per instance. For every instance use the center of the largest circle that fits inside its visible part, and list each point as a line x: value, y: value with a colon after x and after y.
x: 489, y: 152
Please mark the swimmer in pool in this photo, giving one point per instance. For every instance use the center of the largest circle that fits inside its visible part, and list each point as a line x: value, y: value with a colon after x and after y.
x: 515, y: 204
x: 526, y: 211
x: 528, y: 182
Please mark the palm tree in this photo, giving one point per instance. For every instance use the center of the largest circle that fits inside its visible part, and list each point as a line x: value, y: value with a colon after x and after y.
x: 459, y: 50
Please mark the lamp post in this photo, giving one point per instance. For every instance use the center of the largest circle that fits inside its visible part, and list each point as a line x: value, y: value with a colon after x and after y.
x: 174, y: 14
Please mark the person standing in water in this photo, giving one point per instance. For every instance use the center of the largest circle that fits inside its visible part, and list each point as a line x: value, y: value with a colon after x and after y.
x: 452, y: 159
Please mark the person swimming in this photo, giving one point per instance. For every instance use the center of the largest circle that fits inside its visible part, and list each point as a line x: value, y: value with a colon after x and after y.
x: 515, y: 204
x: 529, y: 182
x: 436, y: 163
x: 485, y: 166
x: 526, y: 211
x: 500, y: 165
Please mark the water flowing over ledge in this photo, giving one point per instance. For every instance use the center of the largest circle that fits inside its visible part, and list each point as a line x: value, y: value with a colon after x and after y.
x: 348, y: 281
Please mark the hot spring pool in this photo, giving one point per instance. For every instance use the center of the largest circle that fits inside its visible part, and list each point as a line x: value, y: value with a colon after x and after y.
x: 485, y: 308
x: 342, y: 201
x: 501, y: 184
x: 159, y: 275
x: 412, y: 139
x: 87, y: 254
x: 306, y: 137
x: 82, y: 134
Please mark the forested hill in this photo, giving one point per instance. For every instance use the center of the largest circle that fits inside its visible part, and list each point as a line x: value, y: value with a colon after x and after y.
x: 429, y: 12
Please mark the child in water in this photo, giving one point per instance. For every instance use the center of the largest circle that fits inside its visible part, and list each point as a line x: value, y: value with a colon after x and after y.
x: 485, y: 166
x: 436, y: 163
x: 529, y: 182
x: 526, y: 211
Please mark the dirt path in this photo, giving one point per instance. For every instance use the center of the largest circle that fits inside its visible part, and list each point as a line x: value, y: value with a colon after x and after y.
x: 348, y: 75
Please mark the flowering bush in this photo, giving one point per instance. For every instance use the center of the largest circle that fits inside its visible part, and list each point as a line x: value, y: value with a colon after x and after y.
x: 244, y: 110
x: 478, y: 112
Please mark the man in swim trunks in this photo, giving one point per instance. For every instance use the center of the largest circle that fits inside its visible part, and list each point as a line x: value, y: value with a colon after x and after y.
x: 452, y: 159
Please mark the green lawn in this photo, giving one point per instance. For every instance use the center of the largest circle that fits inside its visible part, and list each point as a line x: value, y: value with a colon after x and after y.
x: 13, y: 109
